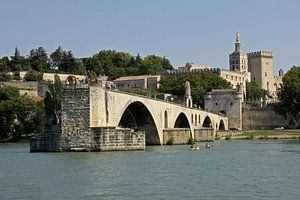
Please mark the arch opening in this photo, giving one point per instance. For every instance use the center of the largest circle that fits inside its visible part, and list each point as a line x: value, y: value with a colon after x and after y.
x: 221, y: 125
x: 138, y: 117
x: 182, y: 121
x: 207, y: 122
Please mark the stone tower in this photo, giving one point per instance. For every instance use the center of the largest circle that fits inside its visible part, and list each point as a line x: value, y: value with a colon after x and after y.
x: 238, y: 60
x: 261, y: 67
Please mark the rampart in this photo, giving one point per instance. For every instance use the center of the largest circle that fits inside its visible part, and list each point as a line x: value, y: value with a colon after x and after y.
x: 261, y: 119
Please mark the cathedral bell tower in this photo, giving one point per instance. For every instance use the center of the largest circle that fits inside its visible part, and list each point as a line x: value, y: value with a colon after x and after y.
x: 238, y: 60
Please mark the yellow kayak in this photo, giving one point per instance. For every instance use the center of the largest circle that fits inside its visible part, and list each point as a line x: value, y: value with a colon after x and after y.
x: 195, y: 148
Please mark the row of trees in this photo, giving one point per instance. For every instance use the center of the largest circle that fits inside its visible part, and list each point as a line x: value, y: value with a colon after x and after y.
x: 106, y: 62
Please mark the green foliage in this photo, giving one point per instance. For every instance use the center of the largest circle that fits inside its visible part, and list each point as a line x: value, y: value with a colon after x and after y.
x: 33, y: 75
x: 116, y: 64
x: 4, y: 64
x: 8, y: 92
x: 191, y: 140
x: 253, y: 91
x: 19, y: 115
x: 52, y: 100
x: 289, y: 95
x: 228, y: 137
x: 200, y: 84
x: 4, y: 76
x: 170, y: 141
x: 153, y: 64
x: 110, y: 63
x: 39, y: 60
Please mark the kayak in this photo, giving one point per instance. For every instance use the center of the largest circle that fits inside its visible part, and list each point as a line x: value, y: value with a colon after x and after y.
x: 195, y: 148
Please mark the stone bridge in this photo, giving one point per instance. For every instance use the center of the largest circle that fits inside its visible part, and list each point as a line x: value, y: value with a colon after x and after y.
x: 111, y: 109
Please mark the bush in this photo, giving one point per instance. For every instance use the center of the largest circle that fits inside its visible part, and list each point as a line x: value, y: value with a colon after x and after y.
x: 33, y: 75
x: 170, y: 141
x: 191, y: 141
x: 251, y: 137
x: 5, y: 77
x: 228, y: 137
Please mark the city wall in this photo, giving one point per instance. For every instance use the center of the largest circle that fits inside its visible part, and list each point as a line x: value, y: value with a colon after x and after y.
x: 261, y: 119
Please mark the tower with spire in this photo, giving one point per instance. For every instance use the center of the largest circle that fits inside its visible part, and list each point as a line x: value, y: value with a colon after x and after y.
x: 238, y: 60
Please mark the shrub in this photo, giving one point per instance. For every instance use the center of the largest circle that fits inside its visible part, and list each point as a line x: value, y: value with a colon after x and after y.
x: 170, y: 141
x: 228, y: 137
x: 191, y: 140
x: 251, y: 137
x: 33, y: 75
x: 5, y: 77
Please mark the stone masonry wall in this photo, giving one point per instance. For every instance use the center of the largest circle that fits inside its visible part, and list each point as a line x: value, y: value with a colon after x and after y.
x: 112, y: 139
x: 179, y: 135
x: 49, y: 141
x: 204, y: 134
x: 76, y: 133
x: 261, y: 119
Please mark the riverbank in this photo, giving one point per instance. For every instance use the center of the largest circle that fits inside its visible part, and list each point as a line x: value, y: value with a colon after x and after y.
x: 266, y: 134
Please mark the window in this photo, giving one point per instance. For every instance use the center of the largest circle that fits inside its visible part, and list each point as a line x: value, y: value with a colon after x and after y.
x: 231, y: 77
x: 265, y: 74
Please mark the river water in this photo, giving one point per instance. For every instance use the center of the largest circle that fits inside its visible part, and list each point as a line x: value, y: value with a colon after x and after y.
x: 230, y: 170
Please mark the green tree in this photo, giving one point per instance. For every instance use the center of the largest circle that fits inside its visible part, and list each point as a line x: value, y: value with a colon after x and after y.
x: 253, y: 91
x: 289, y: 95
x: 18, y: 114
x: 153, y: 64
x: 33, y: 75
x: 56, y: 58
x: 4, y: 64
x: 17, y: 62
x: 39, y: 60
x: 4, y: 76
x: 200, y: 84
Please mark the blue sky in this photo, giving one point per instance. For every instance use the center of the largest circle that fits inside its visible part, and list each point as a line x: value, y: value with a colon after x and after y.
x: 198, y: 31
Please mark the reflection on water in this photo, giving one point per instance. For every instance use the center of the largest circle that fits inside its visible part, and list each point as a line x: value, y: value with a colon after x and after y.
x: 230, y: 170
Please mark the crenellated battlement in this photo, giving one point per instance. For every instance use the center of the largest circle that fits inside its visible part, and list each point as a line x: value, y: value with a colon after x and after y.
x: 261, y: 53
x: 192, y: 71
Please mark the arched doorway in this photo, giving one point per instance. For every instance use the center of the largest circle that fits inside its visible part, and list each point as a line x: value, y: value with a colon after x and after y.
x: 207, y: 122
x: 138, y: 117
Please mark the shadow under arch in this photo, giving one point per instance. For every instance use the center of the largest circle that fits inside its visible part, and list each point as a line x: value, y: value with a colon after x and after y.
x: 221, y: 125
x: 182, y: 121
x: 138, y: 117
x: 207, y: 122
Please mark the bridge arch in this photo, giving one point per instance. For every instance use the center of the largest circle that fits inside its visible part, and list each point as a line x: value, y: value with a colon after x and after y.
x: 207, y: 123
x: 137, y: 116
x: 221, y: 125
x: 182, y: 121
